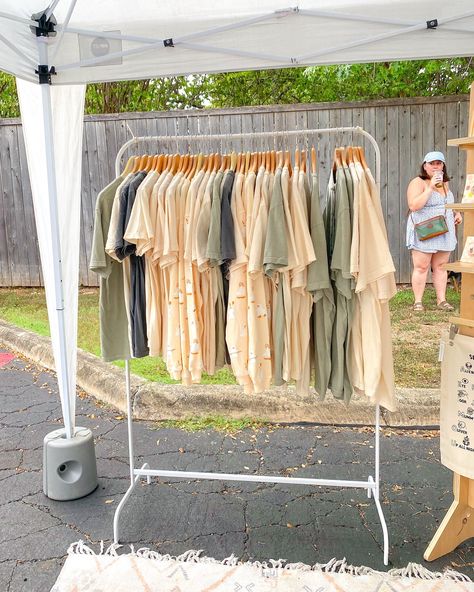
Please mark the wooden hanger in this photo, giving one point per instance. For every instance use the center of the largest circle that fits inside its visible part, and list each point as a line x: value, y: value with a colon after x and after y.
x: 288, y: 162
x: 237, y: 166
x: 159, y: 163
x: 233, y: 161
x: 190, y: 167
x: 297, y: 157
x: 146, y: 163
x: 185, y: 163
x: 273, y: 159
x: 142, y: 163
x: 337, y: 159
x: 217, y: 162
x: 223, y: 166
x: 129, y: 165
x: 313, y: 160
x: 279, y: 159
x: 136, y: 164
x: 349, y: 154
x: 200, y: 162
x: 303, y: 161
x: 247, y: 162
x: 153, y: 162
x: 362, y: 157
x: 342, y: 154
x: 192, y: 170
x: 253, y: 162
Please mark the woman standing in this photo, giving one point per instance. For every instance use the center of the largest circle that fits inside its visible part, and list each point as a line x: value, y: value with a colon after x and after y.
x: 427, y: 196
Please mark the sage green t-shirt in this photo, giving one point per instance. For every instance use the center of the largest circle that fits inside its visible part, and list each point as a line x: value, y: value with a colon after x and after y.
x: 114, y: 340
x: 319, y: 285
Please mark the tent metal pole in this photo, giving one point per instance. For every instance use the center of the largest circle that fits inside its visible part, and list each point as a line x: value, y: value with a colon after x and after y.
x: 19, y: 53
x: 63, y: 30
x: 359, y: 42
x: 63, y: 375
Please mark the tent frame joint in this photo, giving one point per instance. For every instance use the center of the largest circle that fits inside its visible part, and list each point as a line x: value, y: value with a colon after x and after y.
x: 46, y: 25
x: 168, y: 42
x: 432, y: 24
x: 44, y: 73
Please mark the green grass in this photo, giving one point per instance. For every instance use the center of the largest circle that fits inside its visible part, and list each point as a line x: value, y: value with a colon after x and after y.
x: 26, y: 308
x: 213, y: 422
x: 415, y: 335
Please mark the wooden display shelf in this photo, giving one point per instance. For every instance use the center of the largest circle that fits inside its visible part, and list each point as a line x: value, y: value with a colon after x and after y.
x: 462, y: 143
x: 459, y: 266
x: 461, y: 321
x: 458, y: 524
x: 460, y: 207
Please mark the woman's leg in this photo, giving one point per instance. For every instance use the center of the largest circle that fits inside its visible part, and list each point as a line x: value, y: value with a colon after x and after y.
x: 440, y: 276
x: 421, y: 264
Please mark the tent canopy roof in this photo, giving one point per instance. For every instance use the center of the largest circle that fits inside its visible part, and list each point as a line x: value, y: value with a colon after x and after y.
x: 119, y: 40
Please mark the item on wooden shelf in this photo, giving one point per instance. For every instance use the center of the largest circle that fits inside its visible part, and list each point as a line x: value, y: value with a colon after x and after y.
x: 457, y: 404
x: 468, y: 194
x: 431, y: 227
x: 468, y: 251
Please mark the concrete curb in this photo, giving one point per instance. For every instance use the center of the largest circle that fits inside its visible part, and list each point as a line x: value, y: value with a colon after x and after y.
x: 152, y: 401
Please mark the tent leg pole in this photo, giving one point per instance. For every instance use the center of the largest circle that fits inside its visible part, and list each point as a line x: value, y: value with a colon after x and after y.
x: 56, y: 243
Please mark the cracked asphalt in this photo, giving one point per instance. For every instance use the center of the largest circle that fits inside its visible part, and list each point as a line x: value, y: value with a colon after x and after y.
x: 252, y: 521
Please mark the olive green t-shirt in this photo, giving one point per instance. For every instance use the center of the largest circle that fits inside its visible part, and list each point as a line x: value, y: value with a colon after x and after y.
x: 114, y: 340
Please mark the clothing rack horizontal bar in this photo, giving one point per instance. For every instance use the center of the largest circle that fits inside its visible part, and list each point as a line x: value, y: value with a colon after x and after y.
x: 250, y: 135
x: 254, y: 478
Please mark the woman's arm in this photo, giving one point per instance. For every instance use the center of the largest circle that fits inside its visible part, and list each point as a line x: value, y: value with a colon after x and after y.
x: 418, y: 193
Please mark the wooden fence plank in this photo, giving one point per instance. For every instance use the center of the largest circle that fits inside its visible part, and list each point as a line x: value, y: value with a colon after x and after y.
x: 405, y: 175
x: 393, y: 188
x: 13, y: 232
x: 380, y: 134
x: 5, y: 265
x: 36, y: 273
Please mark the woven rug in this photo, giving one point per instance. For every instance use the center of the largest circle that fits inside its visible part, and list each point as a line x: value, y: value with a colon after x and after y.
x: 146, y: 571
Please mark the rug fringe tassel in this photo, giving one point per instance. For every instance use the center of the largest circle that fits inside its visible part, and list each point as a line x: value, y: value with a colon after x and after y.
x: 339, y: 566
x: 414, y: 570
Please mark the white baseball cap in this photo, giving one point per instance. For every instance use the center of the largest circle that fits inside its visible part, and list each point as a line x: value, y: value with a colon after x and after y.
x: 435, y: 155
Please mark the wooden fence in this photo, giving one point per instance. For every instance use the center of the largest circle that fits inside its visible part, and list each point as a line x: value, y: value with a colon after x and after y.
x: 404, y: 128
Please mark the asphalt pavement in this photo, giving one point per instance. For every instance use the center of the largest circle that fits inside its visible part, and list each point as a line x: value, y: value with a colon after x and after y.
x: 251, y: 521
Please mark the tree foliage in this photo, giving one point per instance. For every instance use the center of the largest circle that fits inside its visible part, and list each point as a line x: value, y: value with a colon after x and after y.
x: 263, y: 87
x: 353, y: 82
x: 158, y: 94
x: 8, y: 98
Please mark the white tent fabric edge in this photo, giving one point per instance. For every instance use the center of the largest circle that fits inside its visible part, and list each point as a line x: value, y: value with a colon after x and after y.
x: 54, y: 165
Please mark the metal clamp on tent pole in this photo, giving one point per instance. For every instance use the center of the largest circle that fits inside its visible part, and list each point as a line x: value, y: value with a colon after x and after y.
x: 44, y: 73
x: 168, y: 42
x: 432, y: 24
x: 46, y: 26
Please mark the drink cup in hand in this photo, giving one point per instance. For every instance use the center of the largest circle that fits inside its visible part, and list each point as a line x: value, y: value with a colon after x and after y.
x: 438, y: 176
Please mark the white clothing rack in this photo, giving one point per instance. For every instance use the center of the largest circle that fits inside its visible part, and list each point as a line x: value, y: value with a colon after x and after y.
x: 372, y: 484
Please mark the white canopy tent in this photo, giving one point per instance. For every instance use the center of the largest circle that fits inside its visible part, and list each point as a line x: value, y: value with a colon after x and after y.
x: 55, y: 50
